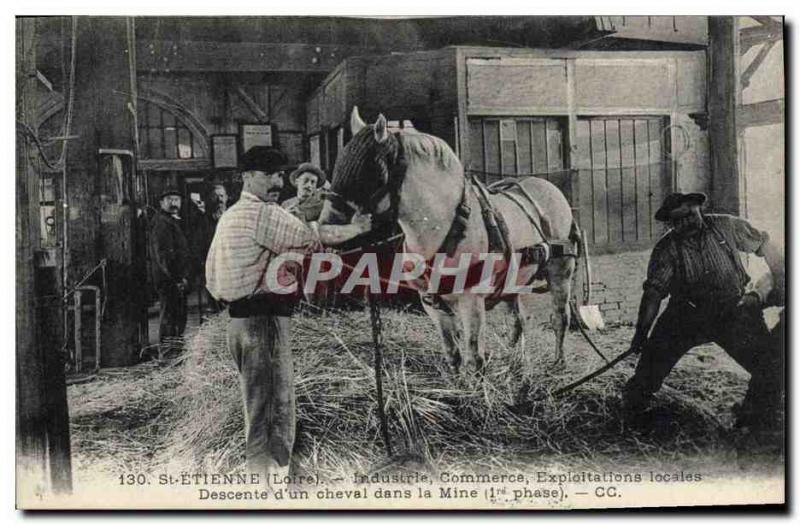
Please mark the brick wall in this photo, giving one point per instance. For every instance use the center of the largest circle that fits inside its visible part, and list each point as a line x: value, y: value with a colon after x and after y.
x: 616, y: 288
x: 617, y: 285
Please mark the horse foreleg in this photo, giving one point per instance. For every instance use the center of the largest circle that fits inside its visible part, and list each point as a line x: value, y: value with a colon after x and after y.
x: 559, y: 275
x: 472, y: 311
x: 446, y: 323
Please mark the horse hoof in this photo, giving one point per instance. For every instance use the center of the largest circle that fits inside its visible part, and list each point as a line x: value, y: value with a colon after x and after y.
x: 558, y: 365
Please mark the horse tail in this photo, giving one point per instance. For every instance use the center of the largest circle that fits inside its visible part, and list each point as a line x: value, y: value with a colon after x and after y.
x: 575, y: 236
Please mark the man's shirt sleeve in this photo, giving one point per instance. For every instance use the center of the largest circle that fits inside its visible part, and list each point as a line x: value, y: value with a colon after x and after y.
x: 747, y: 238
x: 279, y: 231
x: 660, y: 269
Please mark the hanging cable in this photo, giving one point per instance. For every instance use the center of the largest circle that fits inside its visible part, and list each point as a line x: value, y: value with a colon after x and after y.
x: 67, y: 124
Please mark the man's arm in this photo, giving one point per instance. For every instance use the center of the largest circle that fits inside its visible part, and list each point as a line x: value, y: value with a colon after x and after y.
x: 330, y: 234
x: 280, y: 231
x: 648, y: 311
x: 752, y: 240
x: 660, y: 275
x: 773, y: 255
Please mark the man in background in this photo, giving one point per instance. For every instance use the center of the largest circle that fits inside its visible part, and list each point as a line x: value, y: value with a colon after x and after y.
x: 307, y: 204
x: 171, y: 265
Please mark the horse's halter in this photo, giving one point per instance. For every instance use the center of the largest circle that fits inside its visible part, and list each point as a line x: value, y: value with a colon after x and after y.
x: 392, y: 166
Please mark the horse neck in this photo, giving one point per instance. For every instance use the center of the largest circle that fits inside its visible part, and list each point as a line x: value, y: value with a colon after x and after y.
x: 428, y: 200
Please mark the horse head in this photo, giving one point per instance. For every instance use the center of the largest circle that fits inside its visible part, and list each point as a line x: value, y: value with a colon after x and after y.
x: 361, y: 174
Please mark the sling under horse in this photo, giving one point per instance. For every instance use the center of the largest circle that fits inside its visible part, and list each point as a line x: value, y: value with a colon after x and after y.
x: 418, y: 178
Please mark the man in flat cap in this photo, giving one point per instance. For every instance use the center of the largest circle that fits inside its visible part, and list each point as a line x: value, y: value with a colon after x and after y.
x: 697, y: 264
x: 171, y: 265
x: 307, y: 204
x: 250, y: 234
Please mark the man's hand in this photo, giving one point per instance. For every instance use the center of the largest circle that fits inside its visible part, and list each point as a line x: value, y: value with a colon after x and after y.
x: 183, y: 285
x: 362, y: 221
x: 750, y: 300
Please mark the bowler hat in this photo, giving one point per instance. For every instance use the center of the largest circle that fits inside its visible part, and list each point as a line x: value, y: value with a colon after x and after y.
x: 170, y: 190
x: 307, y: 167
x: 262, y: 158
x: 675, y: 200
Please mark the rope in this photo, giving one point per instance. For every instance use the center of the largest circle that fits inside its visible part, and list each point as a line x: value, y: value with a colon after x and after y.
x: 377, y: 340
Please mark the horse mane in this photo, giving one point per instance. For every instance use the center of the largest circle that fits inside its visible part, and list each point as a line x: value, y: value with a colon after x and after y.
x: 426, y: 148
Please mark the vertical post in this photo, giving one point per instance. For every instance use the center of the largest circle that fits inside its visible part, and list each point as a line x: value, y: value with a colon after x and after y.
x: 722, y: 99
x: 30, y: 409
x: 572, y: 142
x: 78, y: 309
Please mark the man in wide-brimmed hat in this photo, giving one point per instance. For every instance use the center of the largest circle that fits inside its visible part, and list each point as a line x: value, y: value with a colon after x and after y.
x: 697, y: 264
x: 307, y: 204
x: 171, y: 264
x: 250, y: 234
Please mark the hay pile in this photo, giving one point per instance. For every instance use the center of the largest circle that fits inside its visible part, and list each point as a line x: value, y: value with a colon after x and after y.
x: 505, y: 422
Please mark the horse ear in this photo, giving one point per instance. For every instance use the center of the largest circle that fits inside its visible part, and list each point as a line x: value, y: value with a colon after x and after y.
x: 381, y: 134
x: 356, y: 123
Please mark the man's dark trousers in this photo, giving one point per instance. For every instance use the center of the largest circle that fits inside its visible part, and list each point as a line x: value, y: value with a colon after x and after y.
x: 739, y: 329
x: 172, y: 317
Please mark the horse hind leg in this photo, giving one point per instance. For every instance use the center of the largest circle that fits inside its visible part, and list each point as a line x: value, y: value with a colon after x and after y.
x: 446, y: 323
x: 559, y: 276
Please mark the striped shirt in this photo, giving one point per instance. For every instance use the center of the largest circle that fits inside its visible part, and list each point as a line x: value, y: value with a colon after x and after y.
x: 248, y: 236
x: 703, y: 267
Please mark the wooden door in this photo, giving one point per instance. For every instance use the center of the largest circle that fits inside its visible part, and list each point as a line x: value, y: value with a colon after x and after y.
x: 624, y: 174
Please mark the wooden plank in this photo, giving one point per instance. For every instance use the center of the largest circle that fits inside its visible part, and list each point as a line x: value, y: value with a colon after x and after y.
x: 623, y: 84
x: 555, y: 145
x: 644, y: 210
x: 628, y: 181
x: 554, y: 139
x: 539, y: 146
x: 508, y: 145
x: 524, y: 146
x: 183, y: 56
x: 581, y: 160
x: 505, y: 83
x: 761, y: 113
x: 660, y: 171
x: 491, y: 137
x: 599, y: 184
x: 174, y: 164
x: 476, y: 145
x: 614, y: 181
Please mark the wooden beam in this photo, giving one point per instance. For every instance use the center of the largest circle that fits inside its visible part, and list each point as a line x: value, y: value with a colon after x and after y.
x: 751, y: 36
x: 761, y: 113
x: 173, y: 56
x: 252, y: 105
x: 31, y: 415
x: 174, y: 164
x: 722, y: 102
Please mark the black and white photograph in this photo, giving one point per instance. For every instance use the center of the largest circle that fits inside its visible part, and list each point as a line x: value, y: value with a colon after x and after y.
x: 400, y: 262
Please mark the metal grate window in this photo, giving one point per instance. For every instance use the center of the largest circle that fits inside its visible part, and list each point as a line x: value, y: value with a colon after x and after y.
x: 163, y: 136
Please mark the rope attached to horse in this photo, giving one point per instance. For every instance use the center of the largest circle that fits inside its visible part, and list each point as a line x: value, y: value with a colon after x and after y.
x: 377, y: 339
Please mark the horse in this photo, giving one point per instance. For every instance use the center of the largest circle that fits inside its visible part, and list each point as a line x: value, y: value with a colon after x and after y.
x: 424, y: 202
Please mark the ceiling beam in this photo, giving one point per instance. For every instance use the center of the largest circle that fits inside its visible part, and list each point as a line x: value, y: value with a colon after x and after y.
x: 192, y: 56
